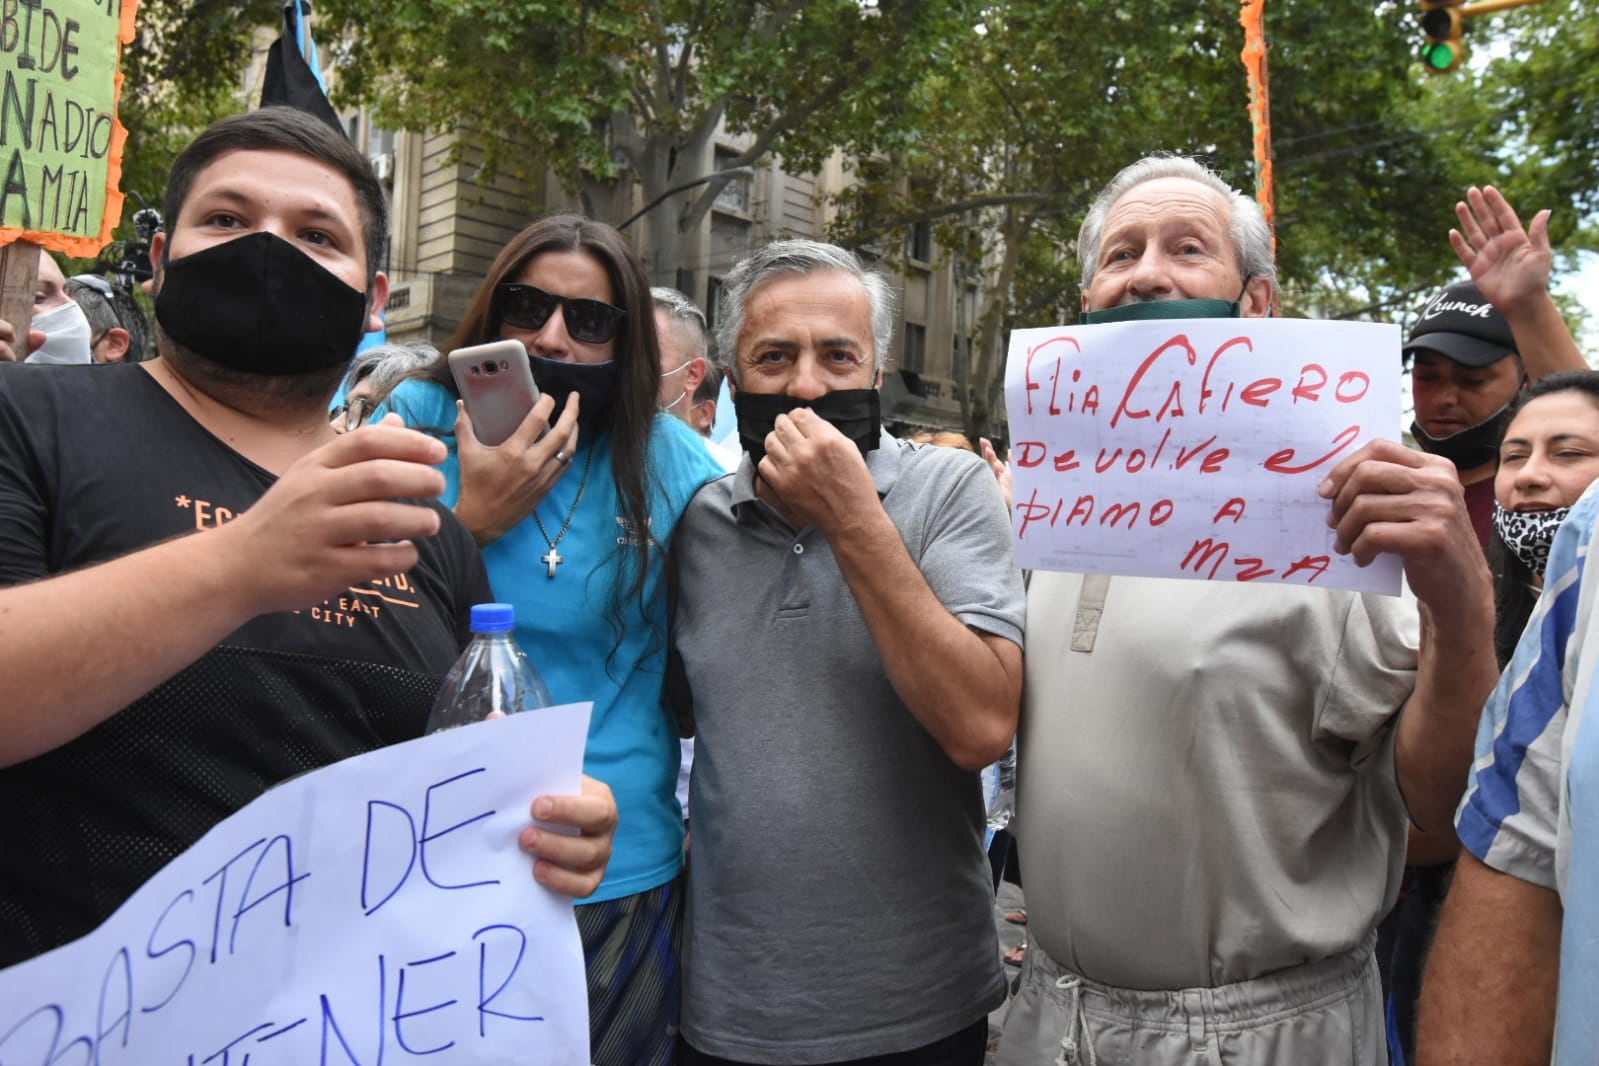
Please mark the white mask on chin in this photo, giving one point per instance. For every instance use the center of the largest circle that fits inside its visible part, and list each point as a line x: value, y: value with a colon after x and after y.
x: 66, y: 336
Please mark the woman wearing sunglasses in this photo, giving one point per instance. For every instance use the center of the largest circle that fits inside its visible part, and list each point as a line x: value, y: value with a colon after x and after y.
x: 573, y: 512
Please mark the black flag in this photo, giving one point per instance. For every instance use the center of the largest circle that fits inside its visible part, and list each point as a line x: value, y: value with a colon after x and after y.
x: 290, y: 81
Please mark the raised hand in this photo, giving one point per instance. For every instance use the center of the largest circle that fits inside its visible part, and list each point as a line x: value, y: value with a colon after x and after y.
x: 1000, y: 470
x: 500, y: 486
x: 1510, y: 265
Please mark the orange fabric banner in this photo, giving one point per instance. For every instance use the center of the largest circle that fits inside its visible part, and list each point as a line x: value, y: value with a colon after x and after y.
x: 1253, y: 17
x: 60, y: 174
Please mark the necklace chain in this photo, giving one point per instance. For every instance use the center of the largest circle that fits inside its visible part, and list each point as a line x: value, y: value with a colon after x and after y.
x: 552, y: 558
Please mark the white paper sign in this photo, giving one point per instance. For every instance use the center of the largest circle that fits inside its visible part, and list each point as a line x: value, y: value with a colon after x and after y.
x: 1194, y: 448
x: 371, y: 911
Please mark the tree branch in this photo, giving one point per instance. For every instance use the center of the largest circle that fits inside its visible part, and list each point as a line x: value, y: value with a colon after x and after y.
x: 776, y: 18
x: 761, y: 145
x: 691, y: 33
x: 642, y: 103
x: 1403, y: 297
x: 961, y: 207
x: 663, y: 58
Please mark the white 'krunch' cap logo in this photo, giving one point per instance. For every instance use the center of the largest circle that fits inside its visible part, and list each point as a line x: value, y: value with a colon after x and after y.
x: 1440, y: 306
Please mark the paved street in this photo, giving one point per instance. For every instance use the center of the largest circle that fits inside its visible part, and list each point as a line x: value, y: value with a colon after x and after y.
x: 1010, y: 898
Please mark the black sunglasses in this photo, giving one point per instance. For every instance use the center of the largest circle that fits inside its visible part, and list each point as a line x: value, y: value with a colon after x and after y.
x: 529, y: 307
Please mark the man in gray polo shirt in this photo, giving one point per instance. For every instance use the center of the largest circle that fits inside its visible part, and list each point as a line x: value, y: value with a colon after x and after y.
x: 849, y: 621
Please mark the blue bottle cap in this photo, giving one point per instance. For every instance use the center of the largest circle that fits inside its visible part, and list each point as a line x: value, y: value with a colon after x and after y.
x: 493, y: 617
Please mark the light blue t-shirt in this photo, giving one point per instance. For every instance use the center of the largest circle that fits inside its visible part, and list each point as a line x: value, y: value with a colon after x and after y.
x: 1531, y: 807
x: 566, y: 626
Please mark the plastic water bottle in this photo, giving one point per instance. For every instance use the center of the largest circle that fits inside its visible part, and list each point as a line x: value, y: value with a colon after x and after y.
x: 1001, y: 789
x: 492, y: 675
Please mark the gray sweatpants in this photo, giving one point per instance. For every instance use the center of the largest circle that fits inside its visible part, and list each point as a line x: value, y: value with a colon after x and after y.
x: 1324, y: 1012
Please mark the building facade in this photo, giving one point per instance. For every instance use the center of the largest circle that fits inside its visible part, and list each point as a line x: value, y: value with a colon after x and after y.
x: 448, y: 223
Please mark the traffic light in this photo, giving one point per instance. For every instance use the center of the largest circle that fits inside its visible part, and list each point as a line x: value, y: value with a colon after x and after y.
x: 1444, y: 26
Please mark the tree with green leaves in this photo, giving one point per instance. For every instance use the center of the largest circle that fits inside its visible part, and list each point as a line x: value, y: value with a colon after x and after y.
x: 1051, y: 97
x: 182, y: 71
x: 640, y: 87
x: 995, y: 121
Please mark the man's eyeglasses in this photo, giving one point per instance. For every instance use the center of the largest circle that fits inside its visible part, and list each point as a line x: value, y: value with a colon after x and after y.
x: 351, y: 414
x: 529, y: 307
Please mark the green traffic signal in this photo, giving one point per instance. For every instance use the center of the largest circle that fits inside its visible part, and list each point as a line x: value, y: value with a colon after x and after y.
x: 1443, y: 24
x: 1441, y: 57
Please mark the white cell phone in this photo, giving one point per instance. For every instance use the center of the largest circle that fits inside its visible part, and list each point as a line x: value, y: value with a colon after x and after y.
x: 496, y: 382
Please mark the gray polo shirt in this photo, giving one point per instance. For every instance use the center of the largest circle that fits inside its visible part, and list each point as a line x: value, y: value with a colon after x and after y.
x: 840, y: 902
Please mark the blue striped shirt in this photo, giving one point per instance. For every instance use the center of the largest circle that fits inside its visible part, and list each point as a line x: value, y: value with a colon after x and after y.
x: 1534, y: 783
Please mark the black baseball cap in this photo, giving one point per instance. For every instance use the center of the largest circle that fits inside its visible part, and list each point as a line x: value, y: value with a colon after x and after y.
x: 1460, y: 324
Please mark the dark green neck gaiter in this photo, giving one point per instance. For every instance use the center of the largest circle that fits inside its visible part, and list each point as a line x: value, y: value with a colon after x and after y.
x: 1160, y: 309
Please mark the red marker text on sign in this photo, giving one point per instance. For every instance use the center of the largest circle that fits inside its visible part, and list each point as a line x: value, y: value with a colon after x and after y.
x: 1086, y: 510
x: 1280, y: 462
x: 1032, y: 386
x: 1201, y: 456
x: 1207, y: 551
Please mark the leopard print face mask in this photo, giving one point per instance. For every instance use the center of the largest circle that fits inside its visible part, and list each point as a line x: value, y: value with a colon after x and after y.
x: 1529, y: 534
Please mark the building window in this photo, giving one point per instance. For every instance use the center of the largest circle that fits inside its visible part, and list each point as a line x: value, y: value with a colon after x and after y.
x: 713, y: 299
x: 914, y: 357
x: 735, y: 195
x: 919, y: 242
x: 866, y: 191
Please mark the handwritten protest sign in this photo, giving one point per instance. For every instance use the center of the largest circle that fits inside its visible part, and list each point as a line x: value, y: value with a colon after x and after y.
x: 60, y: 141
x: 377, y: 908
x: 1194, y: 448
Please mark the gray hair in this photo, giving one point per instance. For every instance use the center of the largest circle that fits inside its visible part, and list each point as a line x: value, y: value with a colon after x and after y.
x: 688, y: 316
x: 1251, y: 234
x: 108, y: 307
x: 710, y: 385
x: 799, y: 257
x: 386, y: 365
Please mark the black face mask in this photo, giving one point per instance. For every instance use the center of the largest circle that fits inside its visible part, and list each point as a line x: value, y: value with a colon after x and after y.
x: 594, y: 383
x: 856, y: 413
x: 1470, y: 448
x: 260, y: 305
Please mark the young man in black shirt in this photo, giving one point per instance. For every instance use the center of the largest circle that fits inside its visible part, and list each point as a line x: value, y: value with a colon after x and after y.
x: 204, y: 590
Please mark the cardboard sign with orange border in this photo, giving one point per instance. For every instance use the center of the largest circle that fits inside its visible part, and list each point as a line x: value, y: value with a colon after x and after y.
x: 60, y: 141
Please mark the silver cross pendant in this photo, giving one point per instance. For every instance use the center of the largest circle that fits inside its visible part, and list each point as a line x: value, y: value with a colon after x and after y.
x: 553, y: 558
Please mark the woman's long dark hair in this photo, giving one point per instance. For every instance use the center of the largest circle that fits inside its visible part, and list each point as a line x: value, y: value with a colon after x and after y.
x: 638, y: 360
x: 1515, y: 593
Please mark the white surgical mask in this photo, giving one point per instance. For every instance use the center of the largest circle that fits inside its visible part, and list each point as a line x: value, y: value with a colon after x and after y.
x: 669, y: 373
x: 66, y: 335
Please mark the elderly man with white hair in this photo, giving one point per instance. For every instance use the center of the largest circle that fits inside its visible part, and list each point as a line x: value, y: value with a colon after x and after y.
x: 848, y: 622
x: 1214, y: 779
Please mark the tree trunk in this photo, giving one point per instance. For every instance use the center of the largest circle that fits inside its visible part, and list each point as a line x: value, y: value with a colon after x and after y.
x: 961, y: 358
x: 990, y: 355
